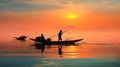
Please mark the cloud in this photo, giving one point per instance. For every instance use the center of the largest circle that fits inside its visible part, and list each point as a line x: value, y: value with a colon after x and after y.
x: 67, y: 1
x: 30, y: 1
x: 27, y: 5
x: 115, y: 7
x: 81, y: 1
x: 106, y: 1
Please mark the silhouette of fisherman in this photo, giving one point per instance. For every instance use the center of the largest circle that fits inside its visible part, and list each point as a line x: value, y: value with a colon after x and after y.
x: 42, y: 40
x: 39, y: 38
x: 60, y: 35
x: 60, y: 40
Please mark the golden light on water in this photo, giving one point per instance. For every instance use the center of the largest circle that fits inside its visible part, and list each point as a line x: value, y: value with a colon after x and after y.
x: 72, y: 49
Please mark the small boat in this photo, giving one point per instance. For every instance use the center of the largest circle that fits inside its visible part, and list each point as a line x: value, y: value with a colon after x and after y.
x: 66, y: 42
x: 22, y: 38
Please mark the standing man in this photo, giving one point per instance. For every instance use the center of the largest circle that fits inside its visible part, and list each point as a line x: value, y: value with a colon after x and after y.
x: 60, y: 42
x: 60, y: 35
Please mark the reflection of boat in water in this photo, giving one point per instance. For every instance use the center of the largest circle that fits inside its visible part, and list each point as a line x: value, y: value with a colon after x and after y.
x: 66, y: 42
x: 22, y: 38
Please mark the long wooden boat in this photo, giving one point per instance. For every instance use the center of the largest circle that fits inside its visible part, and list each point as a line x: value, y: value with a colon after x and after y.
x: 66, y: 42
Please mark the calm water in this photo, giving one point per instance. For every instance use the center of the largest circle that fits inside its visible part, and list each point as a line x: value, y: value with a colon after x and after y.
x: 23, y: 54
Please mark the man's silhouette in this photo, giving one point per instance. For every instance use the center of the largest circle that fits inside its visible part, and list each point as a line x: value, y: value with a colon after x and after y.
x: 43, y: 43
x: 60, y: 35
x: 60, y: 41
x: 39, y: 38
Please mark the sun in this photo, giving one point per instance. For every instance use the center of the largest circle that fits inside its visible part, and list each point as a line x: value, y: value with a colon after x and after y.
x: 71, y: 16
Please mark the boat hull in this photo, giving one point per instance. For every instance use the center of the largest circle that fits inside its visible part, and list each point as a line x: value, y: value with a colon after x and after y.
x: 69, y: 42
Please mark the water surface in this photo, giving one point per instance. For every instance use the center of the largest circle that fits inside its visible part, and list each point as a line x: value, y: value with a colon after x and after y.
x: 23, y: 54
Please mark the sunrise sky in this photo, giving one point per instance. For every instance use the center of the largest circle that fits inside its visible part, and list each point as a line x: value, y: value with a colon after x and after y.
x: 94, y: 20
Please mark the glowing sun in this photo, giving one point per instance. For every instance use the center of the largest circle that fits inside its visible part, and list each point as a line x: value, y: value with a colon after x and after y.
x: 71, y: 16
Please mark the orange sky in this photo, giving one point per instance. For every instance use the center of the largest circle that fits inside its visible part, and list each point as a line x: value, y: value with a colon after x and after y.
x: 48, y: 17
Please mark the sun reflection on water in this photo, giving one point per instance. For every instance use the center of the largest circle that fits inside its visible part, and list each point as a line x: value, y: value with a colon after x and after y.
x: 72, y: 48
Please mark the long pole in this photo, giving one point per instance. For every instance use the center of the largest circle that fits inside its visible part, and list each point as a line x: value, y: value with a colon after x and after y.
x: 57, y: 34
